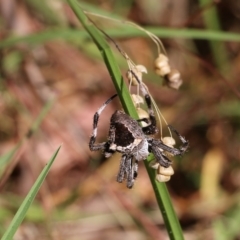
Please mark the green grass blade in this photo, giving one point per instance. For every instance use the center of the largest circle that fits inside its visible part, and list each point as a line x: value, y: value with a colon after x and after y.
x: 109, y: 60
x: 162, y: 195
x: 44, y: 8
x: 73, y: 35
x: 19, y: 216
x: 7, y: 158
x: 36, y: 124
x: 211, y: 19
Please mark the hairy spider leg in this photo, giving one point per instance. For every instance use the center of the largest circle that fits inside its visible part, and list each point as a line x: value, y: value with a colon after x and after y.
x: 122, y: 169
x: 135, y: 169
x: 125, y: 170
x: 157, y: 147
x: 159, y: 155
x: 128, y: 170
x: 185, y: 143
x: 98, y: 146
x: 132, y: 171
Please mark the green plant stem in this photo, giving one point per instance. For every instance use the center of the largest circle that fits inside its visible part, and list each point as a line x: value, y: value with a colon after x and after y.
x: 76, y: 35
x: 20, y: 214
x: 211, y: 21
x: 162, y: 195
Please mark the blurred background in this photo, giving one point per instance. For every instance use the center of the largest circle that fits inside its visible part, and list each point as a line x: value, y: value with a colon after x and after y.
x: 53, y: 79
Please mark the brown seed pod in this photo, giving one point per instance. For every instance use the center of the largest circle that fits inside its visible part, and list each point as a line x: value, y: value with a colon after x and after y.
x: 162, y: 178
x: 154, y: 165
x: 174, y: 79
x: 169, y: 141
x: 161, y: 65
x: 138, y: 70
x: 143, y: 114
x: 164, y: 174
x: 165, y: 171
x: 137, y: 100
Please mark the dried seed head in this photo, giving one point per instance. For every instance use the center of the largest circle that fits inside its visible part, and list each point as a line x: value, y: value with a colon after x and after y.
x: 138, y: 70
x: 162, y: 178
x: 161, y: 60
x: 162, y: 174
x: 163, y: 71
x: 165, y: 171
x: 169, y: 141
x: 154, y: 165
x: 137, y: 99
x: 161, y: 65
x: 141, y: 68
x: 174, y: 79
x: 143, y: 115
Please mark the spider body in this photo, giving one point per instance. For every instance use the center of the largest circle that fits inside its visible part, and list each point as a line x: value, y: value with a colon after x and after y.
x: 133, y: 141
x: 126, y: 136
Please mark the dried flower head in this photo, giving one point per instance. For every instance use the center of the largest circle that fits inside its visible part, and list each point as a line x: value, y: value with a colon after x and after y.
x: 173, y: 79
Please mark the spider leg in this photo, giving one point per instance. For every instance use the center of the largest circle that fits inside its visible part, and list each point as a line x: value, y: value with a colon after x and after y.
x: 129, y: 172
x: 159, y: 144
x: 99, y: 146
x: 132, y: 173
x: 128, y: 169
x: 185, y: 143
x: 152, y: 128
x: 159, y: 155
x: 135, y: 170
x: 122, y: 169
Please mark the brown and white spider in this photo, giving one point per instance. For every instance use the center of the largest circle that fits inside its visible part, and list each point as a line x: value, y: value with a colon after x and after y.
x: 133, y: 141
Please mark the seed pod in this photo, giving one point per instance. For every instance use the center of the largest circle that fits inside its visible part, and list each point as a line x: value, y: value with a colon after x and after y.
x: 137, y: 99
x: 161, y: 61
x: 162, y: 178
x: 174, y: 79
x: 143, y: 115
x: 163, y: 71
x: 154, y: 165
x: 161, y: 65
x: 137, y: 70
x: 169, y: 141
x: 165, y: 171
x: 141, y: 68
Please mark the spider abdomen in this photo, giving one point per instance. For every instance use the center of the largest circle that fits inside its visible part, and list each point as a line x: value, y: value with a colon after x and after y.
x: 127, y: 136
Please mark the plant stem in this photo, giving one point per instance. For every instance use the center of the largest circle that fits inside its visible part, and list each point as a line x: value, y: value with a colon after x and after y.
x: 162, y: 195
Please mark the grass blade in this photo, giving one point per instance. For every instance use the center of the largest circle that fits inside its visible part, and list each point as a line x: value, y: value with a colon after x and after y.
x: 7, y: 161
x: 19, y: 216
x: 211, y: 19
x: 70, y: 34
x: 162, y: 195
x: 6, y: 158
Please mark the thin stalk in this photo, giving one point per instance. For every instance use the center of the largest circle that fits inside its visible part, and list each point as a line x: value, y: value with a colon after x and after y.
x: 161, y: 193
x: 212, y: 22
x: 73, y: 35
x: 22, y: 210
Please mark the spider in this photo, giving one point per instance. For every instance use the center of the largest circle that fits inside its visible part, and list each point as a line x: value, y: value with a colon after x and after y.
x: 133, y: 141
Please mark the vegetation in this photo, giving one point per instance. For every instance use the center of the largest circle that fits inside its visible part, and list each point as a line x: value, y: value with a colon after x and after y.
x: 52, y: 80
